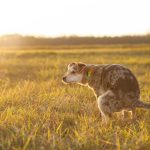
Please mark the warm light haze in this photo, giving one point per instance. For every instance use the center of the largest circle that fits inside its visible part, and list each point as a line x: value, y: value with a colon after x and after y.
x: 75, y: 17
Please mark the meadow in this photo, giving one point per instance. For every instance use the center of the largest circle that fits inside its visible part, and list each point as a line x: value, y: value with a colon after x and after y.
x: 38, y: 112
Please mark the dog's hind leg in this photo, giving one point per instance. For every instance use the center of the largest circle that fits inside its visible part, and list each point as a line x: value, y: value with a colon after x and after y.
x: 132, y: 113
x: 122, y: 114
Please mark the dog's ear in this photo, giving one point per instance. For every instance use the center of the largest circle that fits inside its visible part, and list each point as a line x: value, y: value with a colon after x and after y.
x: 71, y: 64
x: 81, y: 67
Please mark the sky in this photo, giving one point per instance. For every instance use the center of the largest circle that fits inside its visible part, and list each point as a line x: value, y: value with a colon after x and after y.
x: 75, y: 17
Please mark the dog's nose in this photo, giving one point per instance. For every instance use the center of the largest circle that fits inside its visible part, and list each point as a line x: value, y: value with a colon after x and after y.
x: 64, y: 78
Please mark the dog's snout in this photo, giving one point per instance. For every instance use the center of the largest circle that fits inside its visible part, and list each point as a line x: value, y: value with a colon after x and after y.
x: 64, y: 78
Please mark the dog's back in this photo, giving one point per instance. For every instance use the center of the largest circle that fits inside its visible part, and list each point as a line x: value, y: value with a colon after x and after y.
x: 121, y: 81
x: 117, y: 78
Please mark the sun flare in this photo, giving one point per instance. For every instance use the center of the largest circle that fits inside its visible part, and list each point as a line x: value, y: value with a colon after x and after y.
x: 66, y: 17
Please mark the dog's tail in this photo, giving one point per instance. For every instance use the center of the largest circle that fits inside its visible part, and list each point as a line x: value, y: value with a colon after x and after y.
x: 141, y: 104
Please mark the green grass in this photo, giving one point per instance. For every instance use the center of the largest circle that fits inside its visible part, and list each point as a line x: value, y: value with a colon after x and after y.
x: 38, y: 112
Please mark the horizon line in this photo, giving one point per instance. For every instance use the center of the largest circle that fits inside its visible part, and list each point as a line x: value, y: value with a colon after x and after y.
x: 71, y: 35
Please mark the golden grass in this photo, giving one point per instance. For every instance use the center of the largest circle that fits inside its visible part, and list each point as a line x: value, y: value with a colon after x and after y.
x: 38, y: 112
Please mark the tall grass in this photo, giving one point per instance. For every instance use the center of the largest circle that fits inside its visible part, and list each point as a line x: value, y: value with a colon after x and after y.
x: 38, y: 112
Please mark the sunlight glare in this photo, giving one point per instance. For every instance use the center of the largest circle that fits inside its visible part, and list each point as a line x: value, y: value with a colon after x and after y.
x: 78, y: 17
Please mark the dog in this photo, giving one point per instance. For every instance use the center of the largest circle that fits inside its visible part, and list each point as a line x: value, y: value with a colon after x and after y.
x: 114, y: 85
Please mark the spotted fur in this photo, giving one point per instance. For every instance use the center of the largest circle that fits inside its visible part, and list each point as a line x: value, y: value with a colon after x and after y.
x: 115, y: 87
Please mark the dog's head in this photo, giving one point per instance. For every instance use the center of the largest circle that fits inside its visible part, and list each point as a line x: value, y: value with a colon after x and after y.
x: 74, y: 73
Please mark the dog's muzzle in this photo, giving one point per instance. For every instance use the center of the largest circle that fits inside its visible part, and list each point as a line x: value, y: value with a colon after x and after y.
x: 64, y: 79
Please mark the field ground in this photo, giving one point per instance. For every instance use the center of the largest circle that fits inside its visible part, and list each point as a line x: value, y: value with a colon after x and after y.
x: 38, y: 112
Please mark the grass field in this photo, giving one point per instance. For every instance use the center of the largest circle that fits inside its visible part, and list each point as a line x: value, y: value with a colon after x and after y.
x: 38, y: 112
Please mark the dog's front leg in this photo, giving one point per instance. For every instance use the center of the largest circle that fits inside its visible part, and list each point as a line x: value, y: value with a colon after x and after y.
x: 104, y: 105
